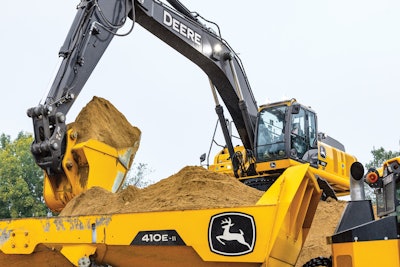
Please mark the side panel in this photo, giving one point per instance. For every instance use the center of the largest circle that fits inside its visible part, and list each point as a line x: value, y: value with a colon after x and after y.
x: 366, y: 254
x: 334, y: 167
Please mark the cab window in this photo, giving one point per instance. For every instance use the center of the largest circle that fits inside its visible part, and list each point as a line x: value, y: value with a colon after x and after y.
x: 304, y: 136
x: 298, y: 134
x: 270, y: 133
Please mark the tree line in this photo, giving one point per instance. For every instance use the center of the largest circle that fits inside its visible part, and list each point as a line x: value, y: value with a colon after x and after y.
x: 21, y: 180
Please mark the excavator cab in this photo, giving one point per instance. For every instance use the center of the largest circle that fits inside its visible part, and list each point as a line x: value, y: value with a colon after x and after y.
x: 287, y: 135
x: 286, y: 130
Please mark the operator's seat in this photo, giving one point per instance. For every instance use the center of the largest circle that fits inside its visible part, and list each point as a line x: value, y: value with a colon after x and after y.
x: 311, y: 155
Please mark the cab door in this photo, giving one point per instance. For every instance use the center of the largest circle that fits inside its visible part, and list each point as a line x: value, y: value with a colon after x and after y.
x: 303, y: 134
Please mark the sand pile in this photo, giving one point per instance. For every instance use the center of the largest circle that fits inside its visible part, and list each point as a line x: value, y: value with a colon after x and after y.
x: 193, y: 187
x: 100, y: 120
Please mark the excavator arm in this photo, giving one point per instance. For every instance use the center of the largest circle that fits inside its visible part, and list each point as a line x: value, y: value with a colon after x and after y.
x: 93, y: 28
x: 95, y: 24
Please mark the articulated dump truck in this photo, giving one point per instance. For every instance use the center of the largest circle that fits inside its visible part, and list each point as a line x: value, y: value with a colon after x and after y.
x: 269, y: 233
x: 283, y: 157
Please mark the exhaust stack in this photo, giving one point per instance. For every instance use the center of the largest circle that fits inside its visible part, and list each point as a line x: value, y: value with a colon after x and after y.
x: 356, y: 182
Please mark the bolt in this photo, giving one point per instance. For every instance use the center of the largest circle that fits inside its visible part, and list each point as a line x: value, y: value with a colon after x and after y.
x: 73, y: 135
x: 60, y: 117
x: 26, y: 245
x: 69, y: 165
x: 54, y: 146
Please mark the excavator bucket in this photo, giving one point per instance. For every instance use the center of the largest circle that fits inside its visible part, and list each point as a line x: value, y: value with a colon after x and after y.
x: 270, y: 233
x: 108, y: 169
x: 100, y: 148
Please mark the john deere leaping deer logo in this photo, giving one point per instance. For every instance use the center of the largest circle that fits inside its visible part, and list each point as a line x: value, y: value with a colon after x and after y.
x: 231, y: 233
x: 229, y: 236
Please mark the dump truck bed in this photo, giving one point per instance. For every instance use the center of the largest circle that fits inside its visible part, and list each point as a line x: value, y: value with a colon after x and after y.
x: 272, y: 233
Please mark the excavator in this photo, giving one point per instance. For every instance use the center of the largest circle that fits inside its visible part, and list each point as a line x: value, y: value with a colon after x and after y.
x: 282, y: 153
x: 286, y: 135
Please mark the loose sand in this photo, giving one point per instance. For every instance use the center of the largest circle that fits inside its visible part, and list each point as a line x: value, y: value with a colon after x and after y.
x: 191, y: 188
x: 325, y: 221
x: 101, y: 121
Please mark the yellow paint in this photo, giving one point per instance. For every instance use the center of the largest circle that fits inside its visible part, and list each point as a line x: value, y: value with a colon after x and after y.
x: 366, y: 253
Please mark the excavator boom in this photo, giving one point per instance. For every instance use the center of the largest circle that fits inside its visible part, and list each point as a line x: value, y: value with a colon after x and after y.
x: 93, y: 28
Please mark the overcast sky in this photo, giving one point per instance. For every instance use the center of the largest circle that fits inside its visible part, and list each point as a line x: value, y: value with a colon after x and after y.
x: 342, y: 58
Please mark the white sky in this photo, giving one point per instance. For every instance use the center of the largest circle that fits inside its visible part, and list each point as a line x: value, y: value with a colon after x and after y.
x: 342, y: 58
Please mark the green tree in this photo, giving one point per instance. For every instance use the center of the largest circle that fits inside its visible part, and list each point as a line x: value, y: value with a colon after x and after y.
x: 21, y: 180
x: 380, y: 155
x: 136, y: 176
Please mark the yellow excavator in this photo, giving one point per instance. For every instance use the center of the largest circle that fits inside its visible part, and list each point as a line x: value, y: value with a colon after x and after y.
x: 286, y: 135
x: 282, y: 153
